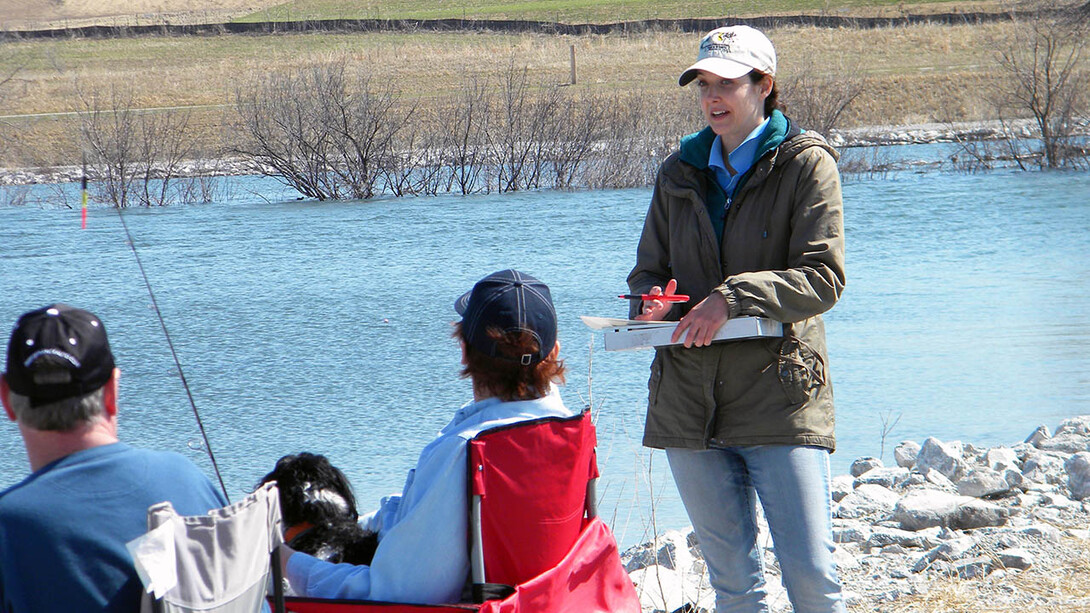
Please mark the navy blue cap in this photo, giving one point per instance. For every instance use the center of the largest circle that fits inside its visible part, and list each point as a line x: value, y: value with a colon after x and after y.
x: 58, y: 352
x: 510, y: 301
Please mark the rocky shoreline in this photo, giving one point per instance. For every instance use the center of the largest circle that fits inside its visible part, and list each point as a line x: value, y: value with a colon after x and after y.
x: 869, y: 136
x: 991, y: 525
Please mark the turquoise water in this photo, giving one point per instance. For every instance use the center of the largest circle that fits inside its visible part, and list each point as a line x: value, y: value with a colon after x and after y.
x: 325, y: 326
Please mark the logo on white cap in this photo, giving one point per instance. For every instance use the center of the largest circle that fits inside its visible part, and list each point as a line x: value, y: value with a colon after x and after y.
x: 733, y: 52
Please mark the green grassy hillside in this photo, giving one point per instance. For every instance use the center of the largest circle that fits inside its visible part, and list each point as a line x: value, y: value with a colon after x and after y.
x: 592, y: 11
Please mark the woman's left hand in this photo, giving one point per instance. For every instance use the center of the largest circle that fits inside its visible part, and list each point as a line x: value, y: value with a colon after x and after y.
x: 703, y: 321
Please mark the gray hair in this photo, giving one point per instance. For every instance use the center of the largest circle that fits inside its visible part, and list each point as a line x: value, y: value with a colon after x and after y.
x: 62, y: 415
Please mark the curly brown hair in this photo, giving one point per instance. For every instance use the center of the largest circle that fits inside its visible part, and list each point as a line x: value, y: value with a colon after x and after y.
x: 507, y: 379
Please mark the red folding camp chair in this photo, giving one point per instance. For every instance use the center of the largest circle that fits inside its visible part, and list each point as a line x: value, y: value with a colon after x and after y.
x: 536, y: 543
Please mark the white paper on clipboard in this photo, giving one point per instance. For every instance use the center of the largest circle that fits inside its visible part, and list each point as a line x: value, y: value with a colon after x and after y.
x: 628, y: 334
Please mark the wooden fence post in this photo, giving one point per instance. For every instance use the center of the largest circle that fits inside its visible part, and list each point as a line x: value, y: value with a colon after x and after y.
x: 573, y: 64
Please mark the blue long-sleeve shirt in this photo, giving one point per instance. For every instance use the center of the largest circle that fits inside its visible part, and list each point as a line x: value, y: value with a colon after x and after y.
x: 422, y: 556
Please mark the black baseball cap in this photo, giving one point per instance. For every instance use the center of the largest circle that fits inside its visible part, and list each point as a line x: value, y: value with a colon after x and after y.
x: 510, y: 301
x: 58, y: 352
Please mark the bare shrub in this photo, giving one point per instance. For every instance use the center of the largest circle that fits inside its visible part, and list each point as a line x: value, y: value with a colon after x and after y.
x: 11, y: 62
x: 14, y: 195
x: 815, y: 99
x: 1045, y: 81
x: 134, y: 157
x: 509, y: 143
x: 580, y: 124
x: 464, y: 141
x: 162, y: 144
x: 415, y: 166
x: 639, y: 130
x: 108, y: 133
x: 325, y: 132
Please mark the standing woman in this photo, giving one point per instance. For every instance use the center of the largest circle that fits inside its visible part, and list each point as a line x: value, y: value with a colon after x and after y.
x: 746, y: 217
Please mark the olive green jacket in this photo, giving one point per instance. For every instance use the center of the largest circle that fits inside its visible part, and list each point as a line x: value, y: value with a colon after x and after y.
x: 781, y: 257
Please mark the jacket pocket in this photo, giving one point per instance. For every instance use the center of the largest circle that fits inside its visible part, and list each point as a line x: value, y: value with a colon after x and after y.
x: 800, y: 369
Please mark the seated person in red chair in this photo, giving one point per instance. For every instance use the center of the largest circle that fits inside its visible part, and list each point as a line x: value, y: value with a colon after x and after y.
x: 510, y: 353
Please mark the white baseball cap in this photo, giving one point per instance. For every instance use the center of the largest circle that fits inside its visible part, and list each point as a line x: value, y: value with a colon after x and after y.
x: 732, y: 52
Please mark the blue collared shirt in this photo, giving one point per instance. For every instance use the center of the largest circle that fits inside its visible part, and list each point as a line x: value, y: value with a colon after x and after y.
x: 422, y: 555
x: 740, y: 160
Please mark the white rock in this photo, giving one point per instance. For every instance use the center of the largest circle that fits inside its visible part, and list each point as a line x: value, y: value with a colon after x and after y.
x: 666, y: 589
x: 1078, y: 475
x: 975, y: 568
x: 924, y: 509
x: 939, y: 480
x: 886, y: 477
x: 1068, y: 442
x: 975, y: 513
x: 867, y: 500
x: 1000, y: 459
x: 671, y: 550
x: 1044, y: 468
x: 905, y: 453
x: 852, y: 599
x: 982, y: 482
x: 1075, y: 425
x: 844, y: 559
x: 884, y: 537
x: 1081, y: 534
x: 863, y: 465
x: 1059, y: 501
x: 953, y: 549
x: 1040, y: 434
x: 850, y: 531
x: 943, y: 457
x: 841, y: 486
x: 1016, y: 558
x: 1044, y: 531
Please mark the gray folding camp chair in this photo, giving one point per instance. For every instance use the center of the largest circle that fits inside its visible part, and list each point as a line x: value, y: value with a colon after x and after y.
x: 220, y: 562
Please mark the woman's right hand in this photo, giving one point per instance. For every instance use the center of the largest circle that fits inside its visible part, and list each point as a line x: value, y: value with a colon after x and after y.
x: 656, y: 310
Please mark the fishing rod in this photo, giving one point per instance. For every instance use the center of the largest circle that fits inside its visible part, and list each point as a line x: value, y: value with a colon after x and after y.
x: 166, y: 333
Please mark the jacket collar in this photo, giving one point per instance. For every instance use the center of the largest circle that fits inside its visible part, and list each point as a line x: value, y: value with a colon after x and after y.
x: 696, y: 147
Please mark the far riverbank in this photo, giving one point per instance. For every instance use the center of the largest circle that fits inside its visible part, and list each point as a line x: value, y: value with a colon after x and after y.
x: 847, y: 139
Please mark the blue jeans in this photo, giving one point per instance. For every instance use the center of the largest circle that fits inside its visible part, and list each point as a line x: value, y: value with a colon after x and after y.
x: 719, y: 488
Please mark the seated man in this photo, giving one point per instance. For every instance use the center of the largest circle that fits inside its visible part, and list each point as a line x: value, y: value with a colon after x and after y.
x: 510, y: 353
x: 63, y: 529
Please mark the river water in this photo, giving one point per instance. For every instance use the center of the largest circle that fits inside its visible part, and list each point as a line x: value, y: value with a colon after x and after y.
x: 325, y: 326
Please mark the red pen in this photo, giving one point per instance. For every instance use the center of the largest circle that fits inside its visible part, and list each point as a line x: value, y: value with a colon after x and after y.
x: 662, y: 297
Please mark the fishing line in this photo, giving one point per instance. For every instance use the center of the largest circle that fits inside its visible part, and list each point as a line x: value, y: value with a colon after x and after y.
x: 177, y: 363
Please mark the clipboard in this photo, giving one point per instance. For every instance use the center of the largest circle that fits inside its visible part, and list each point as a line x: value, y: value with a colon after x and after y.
x: 630, y: 334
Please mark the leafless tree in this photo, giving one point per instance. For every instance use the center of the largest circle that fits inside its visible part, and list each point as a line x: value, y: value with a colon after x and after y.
x: 134, y: 156
x: 163, y: 143
x: 581, y: 124
x: 815, y: 99
x: 11, y: 62
x: 1045, y: 80
x: 508, y: 138
x: 326, y: 132
x: 463, y: 141
x: 638, y: 131
x: 108, y: 131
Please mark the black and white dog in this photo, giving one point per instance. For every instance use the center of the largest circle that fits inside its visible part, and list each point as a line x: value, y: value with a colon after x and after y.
x: 319, y: 510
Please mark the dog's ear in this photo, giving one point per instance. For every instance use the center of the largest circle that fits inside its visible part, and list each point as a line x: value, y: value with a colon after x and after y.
x: 345, y: 489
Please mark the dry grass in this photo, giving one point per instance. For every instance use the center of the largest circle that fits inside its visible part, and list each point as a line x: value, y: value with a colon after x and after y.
x: 594, y: 11
x: 1060, y: 588
x: 913, y: 74
x: 36, y: 14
